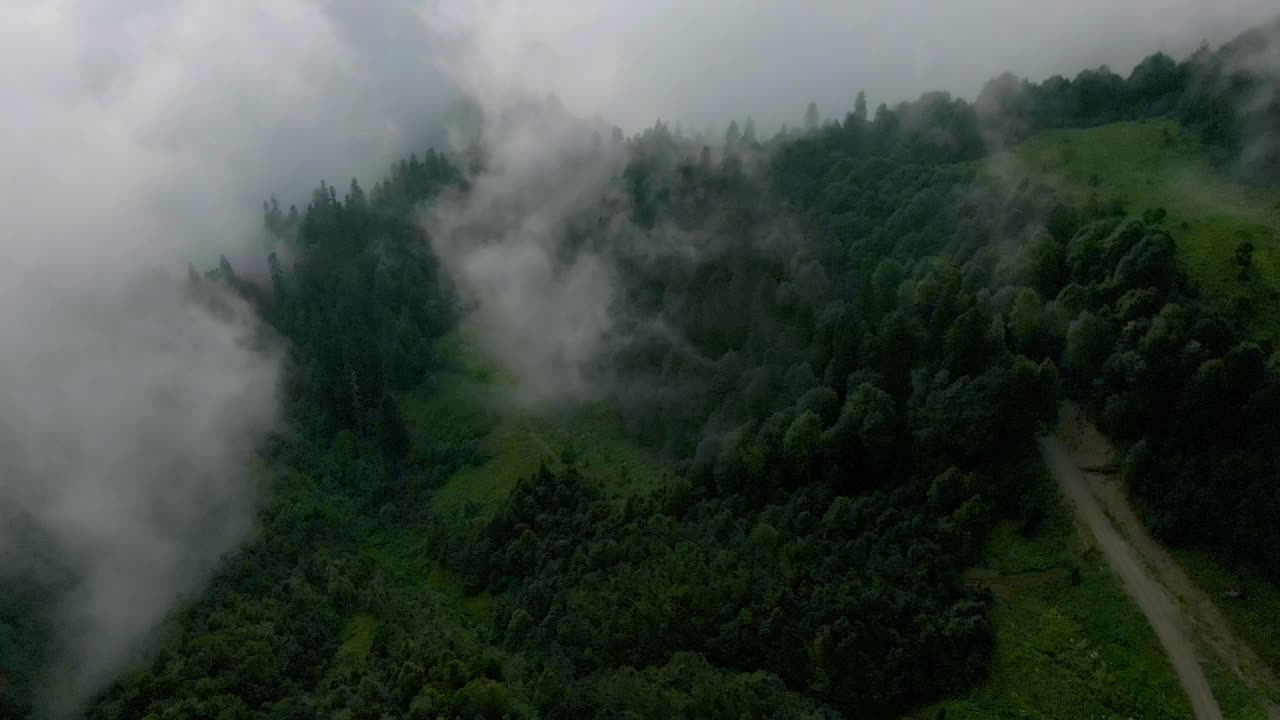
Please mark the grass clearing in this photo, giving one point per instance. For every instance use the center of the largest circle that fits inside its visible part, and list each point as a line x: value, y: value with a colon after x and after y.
x: 467, y: 404
x: 449, y: 587
x: 472, y: 402
x: 1065, y: 648
x: 357, y: 637
x: 1071, y: 645
x: 1250, y: 602
x: 515, y: 442
x: 402, y: 558
x: 406, y: 566
x: 1237, y: 701
x: 1154, y: 164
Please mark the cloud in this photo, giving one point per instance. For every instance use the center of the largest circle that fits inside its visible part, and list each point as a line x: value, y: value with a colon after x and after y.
x: 136, y: 138
x: 128, y: 418
x: 1255, y: 55
x: 541, y: 306
x: 706, y: 62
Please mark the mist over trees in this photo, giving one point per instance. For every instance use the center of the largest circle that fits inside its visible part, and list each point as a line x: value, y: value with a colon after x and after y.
x: 844, y: 338
x: 1226, y: 96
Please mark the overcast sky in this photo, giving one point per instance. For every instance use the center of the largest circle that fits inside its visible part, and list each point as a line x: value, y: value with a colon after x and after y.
x: 900, y: 49
x: 263, y: 96
x: 702, y: 62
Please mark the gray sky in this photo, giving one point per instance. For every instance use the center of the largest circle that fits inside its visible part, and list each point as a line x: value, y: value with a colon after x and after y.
x: 707, y: 61
x: 241, y: 98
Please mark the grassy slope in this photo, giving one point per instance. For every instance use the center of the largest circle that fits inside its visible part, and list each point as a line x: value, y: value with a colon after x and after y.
x: 357, y: 637
x: 1255, y: 609
x: 1074, y: 649
x: 468, y: 403
x: 516, y: 442
x: 471, y: 400
x: 1154, y: 164
x: 1064, y: 649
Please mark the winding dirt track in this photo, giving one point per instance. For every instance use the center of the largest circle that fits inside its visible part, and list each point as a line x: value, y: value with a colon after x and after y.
x: 1179, y: 611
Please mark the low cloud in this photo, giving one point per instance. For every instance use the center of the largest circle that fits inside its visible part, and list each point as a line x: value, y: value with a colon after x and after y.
x: 541, y: 306
x: 137, y: 139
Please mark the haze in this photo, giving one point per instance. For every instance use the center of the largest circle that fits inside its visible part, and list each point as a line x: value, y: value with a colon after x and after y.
x: 139, y: 137
x: 703, y: 62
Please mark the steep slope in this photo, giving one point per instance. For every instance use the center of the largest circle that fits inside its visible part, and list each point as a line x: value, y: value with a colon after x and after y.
x: 1169, y: 624
x: 841, y: 342
x: 1182, y: 614
x: 1156, y: 163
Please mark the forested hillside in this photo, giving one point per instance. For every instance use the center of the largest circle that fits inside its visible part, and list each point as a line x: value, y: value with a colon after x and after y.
x: 840, y: 341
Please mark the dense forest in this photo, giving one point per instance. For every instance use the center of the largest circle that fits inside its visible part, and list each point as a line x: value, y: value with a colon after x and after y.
x: 847, y: 372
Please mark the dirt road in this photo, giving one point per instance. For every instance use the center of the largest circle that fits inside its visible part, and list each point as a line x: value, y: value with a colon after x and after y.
x: 1149, y: 595
x: 1180, y: 612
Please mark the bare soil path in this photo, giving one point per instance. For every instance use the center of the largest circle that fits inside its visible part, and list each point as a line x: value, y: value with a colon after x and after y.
x: 1179, y: 611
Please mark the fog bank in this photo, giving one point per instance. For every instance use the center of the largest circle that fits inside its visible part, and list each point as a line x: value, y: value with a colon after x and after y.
x: 137, y: 138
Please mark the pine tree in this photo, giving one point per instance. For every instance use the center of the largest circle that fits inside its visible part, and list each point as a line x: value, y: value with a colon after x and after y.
x: 732, y: 137
x: 811, y: 117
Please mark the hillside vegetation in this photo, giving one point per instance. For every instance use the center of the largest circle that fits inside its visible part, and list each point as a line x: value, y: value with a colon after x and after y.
x: 1154, y: 164
x: 830, y: 353
x: 469, y: 399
